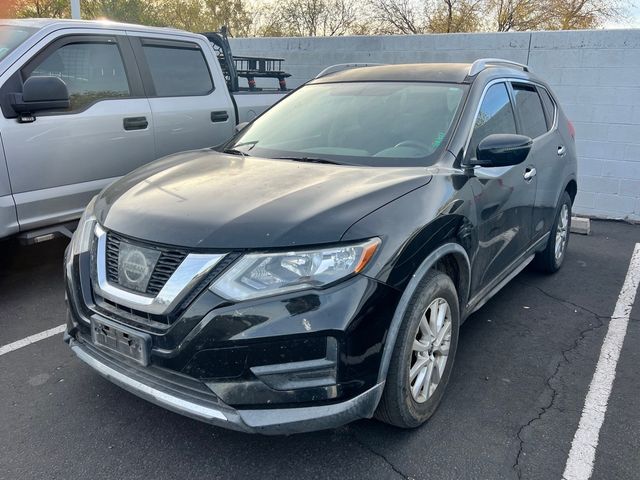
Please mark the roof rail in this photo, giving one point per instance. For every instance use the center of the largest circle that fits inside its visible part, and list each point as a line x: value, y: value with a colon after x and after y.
x: 482, y: 63
x: 345, y: 66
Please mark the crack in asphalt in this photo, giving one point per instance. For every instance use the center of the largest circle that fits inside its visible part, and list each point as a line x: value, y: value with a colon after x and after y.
x: 564, y: 301
x: 564, y: 361
x: 368, y: 448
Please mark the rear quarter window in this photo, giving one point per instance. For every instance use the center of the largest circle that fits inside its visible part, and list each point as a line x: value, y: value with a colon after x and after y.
x: 529, y: 108
x: 549, y: 107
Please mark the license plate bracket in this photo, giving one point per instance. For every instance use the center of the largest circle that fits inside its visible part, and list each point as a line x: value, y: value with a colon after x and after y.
x: 122, y: 340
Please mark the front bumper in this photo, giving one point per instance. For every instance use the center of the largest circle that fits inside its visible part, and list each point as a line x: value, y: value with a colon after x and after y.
x: 294, y: 363
x: 191, y: 398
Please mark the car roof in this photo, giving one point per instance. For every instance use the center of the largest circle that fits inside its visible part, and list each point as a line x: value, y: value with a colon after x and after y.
x: 53, y: 23
x: 419, y: 72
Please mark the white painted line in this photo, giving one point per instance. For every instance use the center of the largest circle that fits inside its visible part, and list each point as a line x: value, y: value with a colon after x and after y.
x: 31, y: 339
x: 583, y: 448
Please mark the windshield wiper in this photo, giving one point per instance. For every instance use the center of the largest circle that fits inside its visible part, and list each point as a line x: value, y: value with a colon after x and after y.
x: 235, y: 151
x: 310, y: 160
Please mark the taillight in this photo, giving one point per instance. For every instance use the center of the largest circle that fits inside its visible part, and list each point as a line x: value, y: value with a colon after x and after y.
x: 572, y: 129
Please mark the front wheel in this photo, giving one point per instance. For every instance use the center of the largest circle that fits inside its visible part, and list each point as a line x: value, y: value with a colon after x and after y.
x: 423, y: 355
x: 551, y: 258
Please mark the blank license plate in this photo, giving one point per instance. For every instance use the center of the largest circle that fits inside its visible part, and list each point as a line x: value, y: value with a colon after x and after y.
x: 120, y: 339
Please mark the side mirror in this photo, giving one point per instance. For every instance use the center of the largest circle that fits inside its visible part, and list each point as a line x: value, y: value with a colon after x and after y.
x: 41, y: 93
x: 240, y: 126
x: 501, y: 150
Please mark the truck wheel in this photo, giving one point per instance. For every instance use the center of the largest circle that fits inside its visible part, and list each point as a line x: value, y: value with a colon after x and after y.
x: 551, y: 258
x: 423, y: 355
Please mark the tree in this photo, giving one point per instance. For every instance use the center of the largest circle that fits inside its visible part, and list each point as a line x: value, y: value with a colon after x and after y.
x: 449, y: 16
x: 130, y: 11
x: 312, y: 18
x: 231, y: 13
x: 520, y: 15
x: 37, y: 9
x: 428, y: 16
x: 397, y: 16
x: 581, y: 14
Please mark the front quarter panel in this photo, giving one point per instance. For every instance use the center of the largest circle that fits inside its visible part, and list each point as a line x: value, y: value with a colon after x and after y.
x: 414, y: 225
x: 8, y: 219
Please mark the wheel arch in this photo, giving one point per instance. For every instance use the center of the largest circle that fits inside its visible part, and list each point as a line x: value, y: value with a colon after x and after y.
x: 441, y: 259
x: 572, y: 189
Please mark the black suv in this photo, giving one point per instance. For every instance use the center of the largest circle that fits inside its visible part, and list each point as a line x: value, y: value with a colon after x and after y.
x: 316, y: 268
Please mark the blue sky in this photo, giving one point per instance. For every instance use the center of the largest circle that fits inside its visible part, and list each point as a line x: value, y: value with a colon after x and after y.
x: 632, y: 22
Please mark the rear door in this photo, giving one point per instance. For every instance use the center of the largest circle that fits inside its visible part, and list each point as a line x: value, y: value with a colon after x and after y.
x: 538, y: 119
x: 59, y: 161
x: 189, y: 110
x: 504, y: 198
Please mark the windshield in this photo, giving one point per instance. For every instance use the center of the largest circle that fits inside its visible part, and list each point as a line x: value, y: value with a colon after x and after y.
x: 11, y: 37
x: 365, y: 123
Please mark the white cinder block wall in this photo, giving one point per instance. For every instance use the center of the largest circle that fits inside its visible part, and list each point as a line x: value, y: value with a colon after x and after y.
x: 596, y: 75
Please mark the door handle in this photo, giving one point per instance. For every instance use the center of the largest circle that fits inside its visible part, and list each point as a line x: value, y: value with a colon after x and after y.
x: 529, y: 173
x: 221, y: 116
x: 562, y: 150
x: 135, y: 123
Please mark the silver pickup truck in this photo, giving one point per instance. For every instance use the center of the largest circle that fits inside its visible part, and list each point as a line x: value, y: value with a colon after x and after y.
x: 86, y: 102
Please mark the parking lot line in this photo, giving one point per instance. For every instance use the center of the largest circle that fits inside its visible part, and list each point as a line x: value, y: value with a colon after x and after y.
x: 581, y: 458
x: 31, y: 339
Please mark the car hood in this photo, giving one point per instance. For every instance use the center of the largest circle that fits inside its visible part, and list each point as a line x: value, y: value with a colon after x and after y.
x: 205, y: 199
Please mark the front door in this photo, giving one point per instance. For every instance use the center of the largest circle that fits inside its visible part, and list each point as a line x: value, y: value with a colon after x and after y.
x: 63, y: 158
x: 504, y: 196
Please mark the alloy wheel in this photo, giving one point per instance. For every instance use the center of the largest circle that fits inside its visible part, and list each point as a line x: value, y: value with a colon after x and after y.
x: 562, y: 231
x: 430, y: 350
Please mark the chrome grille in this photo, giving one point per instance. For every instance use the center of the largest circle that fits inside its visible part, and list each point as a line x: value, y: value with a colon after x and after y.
x: 170, y: 259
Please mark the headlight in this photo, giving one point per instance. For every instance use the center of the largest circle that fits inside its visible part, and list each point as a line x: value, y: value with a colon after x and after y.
x: 263, y: 274
x: 81, y: 240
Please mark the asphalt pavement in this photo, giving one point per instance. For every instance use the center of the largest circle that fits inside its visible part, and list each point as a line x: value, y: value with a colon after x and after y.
x: 523, y: 368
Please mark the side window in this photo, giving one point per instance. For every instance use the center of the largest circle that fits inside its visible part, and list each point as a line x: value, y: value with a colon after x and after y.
x: 92, y: 71
x: 178, y: 70
x: 529, y: 108
x: 549, y: 107
x: 495, y: 116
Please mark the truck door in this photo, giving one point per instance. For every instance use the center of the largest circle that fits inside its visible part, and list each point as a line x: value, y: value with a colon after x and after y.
x: 504, y: 196
x: 59, y: 161
x: 189, y: 110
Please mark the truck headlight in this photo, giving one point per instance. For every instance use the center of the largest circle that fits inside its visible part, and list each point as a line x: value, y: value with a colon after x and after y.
x: 262, y: 274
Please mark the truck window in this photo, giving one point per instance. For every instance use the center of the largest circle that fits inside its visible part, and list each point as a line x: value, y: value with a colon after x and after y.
x: 495, y: 116
x: 178, y: 70
x: 12, y: 37
x: 529, y: 108
x: 92, y: 71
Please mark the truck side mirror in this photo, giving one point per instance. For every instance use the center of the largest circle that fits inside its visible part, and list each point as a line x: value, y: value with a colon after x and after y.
x: 41, y: 93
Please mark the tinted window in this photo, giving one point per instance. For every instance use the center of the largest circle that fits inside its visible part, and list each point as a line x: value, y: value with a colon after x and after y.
x: 529, y: 108
x: 549, y: 106
x: 364, y: 123
x: 92, y: 71
x: 178, y: 71
x: 495, y: 116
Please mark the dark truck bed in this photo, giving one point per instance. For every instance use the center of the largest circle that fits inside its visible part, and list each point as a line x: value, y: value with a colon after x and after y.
x: 246, y: 67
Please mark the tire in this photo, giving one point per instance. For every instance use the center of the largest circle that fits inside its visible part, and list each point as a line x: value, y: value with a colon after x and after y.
x: 550, y: 259
x: 399, y: 405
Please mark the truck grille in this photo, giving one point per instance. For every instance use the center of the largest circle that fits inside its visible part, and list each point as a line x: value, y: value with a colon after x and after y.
x: 168, y: 262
